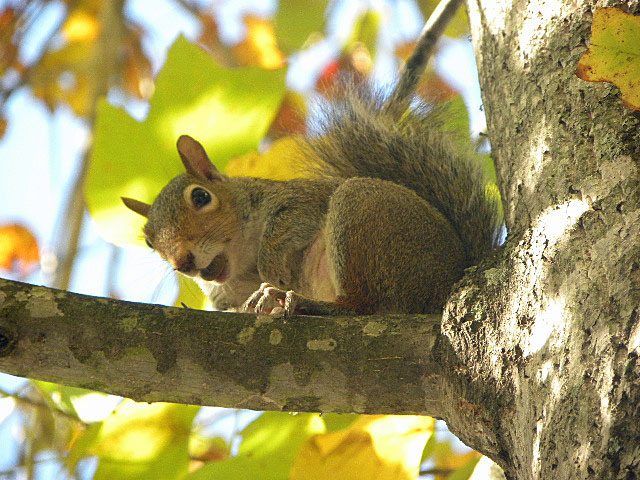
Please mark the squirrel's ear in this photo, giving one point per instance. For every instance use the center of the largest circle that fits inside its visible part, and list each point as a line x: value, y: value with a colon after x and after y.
x: 195, y: 159
x: 137, y: 206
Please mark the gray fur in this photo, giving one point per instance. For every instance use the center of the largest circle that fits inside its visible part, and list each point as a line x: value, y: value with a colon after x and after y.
x: 362, y: 139
x: 399, y: 210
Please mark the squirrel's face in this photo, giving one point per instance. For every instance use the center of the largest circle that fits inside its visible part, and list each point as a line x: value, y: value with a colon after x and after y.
x: 191, y: 223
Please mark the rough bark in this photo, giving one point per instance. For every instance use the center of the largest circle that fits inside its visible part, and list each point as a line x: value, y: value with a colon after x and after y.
x: 551, y: 324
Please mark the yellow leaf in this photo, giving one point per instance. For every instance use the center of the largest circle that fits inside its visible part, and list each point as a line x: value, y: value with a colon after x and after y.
x: 280, y: 162
x: 260, y: 46
x: 374, y: 448
x: 61, y: 77
x: 446, y: 458
x: 614, y: 54
x: 18, y: 247
x: 137, y: 432
x: 137, y: 74
x: 290, y: 119
x: 81, y: 96
x: 190, y: 295
x: 81, y: 27
x: 142, y: 441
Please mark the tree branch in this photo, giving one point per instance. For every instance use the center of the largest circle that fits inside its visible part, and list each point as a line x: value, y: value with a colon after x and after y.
x: 106, y: 62
x: 376, y: 364
x: 414, y: 67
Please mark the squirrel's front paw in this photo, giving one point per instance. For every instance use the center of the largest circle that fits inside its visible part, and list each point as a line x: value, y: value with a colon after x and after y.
x: 270, y: 300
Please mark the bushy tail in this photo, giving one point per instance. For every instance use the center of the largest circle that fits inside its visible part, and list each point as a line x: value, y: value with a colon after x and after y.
x: 362, y: 138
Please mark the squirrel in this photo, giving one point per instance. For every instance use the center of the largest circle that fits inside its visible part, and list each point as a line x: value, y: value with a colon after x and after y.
x: 388, y: 222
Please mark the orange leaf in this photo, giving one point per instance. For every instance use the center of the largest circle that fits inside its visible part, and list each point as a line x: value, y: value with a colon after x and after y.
x: 209, y: 35
x: 327, y: 78
x: 404, y: 50
x: 137, y: 74
x: 3, y: 126
x: 80, y: 95
x: 8, y: 49
x: 354, y: 64
x: 433, y: 88
x: 8, y: 55
x: 18, y: 247
x: 260, y: 46
x: 290, y: 119
x: 210, y: 39
x: 7, y: 17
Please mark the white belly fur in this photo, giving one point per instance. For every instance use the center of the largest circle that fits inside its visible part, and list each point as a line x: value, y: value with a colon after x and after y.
x: 317, y: 276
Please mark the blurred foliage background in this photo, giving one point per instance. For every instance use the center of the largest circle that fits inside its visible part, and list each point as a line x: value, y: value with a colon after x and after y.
x: 93, y: 95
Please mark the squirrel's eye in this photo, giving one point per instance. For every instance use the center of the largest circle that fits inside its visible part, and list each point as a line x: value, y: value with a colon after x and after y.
x: 200, y: 197
x: 146, y: 240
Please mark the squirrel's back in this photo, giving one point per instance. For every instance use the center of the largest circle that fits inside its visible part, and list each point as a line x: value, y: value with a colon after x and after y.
x: 363, y: 138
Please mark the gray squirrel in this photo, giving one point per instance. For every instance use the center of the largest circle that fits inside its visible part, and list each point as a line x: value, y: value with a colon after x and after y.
x: 389, y: 220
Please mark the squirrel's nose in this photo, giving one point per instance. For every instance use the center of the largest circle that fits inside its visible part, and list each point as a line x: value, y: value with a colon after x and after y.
x: 186, y: 263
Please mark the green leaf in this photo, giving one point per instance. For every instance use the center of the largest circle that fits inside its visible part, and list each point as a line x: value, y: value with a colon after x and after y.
x: 81, y: 403
x: 59, y: 396
x: 270, y: 445
x: 459, y: 24
x: 428, y: 448
x: 456, y: 119
x: 464, y: 472
x: 295, y: 20
x: 227, y: 110
x: 144, y: 442
x: 81, y: 446
x: 338, y: 421
x: 366, y: 29
x: 489, y: 167
x: 208, y: 448
x: 272, y: 431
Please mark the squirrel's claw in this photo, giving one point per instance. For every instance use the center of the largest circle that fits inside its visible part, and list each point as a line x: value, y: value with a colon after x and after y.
x: 269, y: 300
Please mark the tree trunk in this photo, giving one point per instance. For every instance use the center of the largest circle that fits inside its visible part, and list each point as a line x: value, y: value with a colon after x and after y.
x: 549, y: 330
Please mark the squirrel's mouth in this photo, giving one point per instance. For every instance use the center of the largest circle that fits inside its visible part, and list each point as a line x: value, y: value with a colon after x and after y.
x: 217, y: 271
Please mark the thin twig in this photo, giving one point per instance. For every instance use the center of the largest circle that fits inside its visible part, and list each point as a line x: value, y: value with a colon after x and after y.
x: 425, y: 46
x: 436, y: 471
x: 11, y: 472
x: 106, y: 64
x: 36, y: 404
x: 25, y: 77
x: 112, y: 271
x: 71, y: 228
